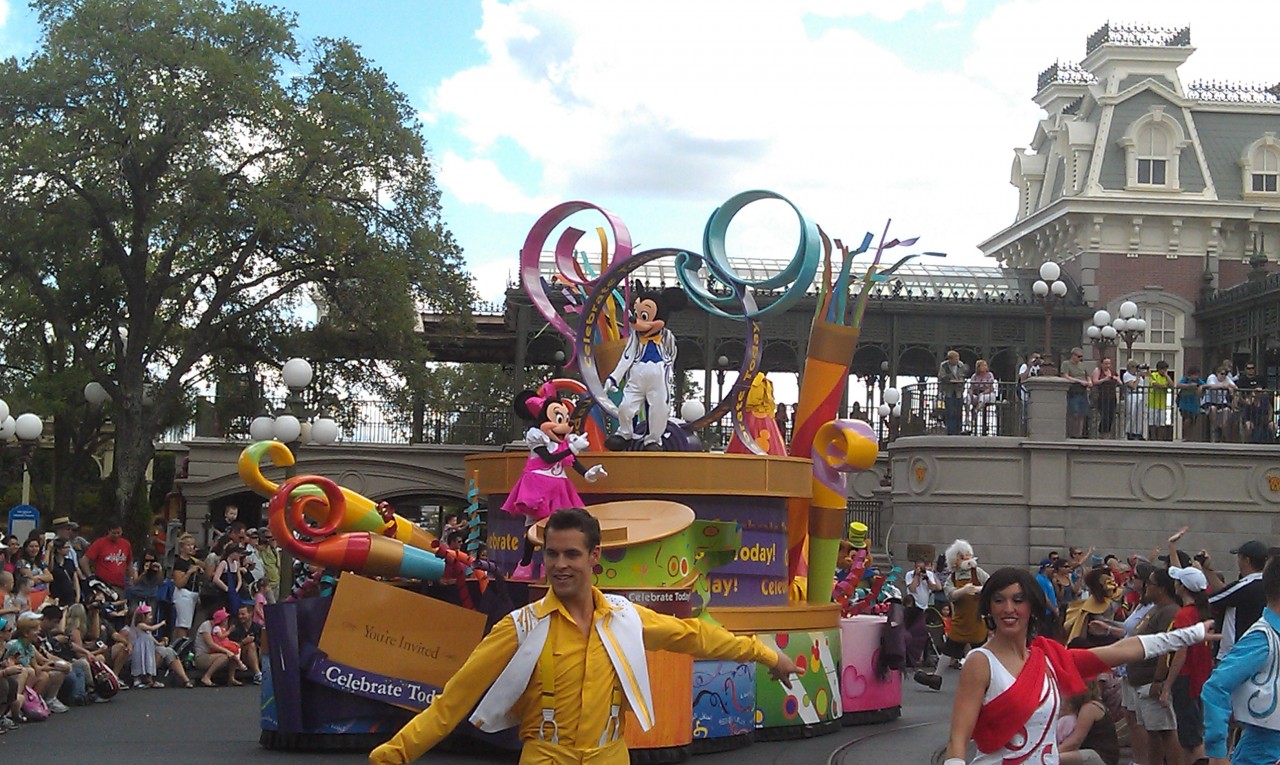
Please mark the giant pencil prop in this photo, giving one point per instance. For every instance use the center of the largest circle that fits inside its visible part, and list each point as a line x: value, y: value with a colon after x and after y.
x: 826, y: 371
x: 359, y: 513
x: 368, y: 552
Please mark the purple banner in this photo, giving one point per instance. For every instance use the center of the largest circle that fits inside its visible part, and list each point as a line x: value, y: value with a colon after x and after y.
x: 371, y: 685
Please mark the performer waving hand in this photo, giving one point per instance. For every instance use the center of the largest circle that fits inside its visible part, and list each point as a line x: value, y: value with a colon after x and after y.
x: 1011, y: 689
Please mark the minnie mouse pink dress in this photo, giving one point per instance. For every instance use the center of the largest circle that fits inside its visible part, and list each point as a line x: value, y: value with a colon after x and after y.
x: 544, y: 486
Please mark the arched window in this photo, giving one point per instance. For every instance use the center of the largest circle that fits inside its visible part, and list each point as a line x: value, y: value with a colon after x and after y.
x: 1153, y: 144
x: 1260, y: 167
x: 1162, y: 340
x: 1153, y: 155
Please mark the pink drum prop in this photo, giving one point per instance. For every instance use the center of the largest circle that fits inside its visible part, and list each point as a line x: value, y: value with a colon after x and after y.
x: 866, y: 698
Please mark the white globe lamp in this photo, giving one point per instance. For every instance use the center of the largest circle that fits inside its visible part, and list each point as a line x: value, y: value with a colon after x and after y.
x: 1060, y: 289
x: 95, y: 394
x: 1128, y: 309
x: 287, y: 428
x: 296, y: 373
x: 8, y: 426
x: 28, y: 427
x: 1049, y: 271
x: 1101, y: 318
x: 324, y: 431
x: 262, y: 428
x: 692, y: 410
x: 892, y: 396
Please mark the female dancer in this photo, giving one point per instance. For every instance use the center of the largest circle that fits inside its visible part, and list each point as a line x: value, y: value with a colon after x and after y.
x: 544, y: 485
x: 1011, y: 689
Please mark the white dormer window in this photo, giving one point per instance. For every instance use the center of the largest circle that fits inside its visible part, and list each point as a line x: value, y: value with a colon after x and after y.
x: 1152, y: 146
x: 1153, y: 156
x: 1260, y: 167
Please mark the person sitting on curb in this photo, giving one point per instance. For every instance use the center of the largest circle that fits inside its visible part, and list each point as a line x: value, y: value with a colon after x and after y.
x: 564, y: 668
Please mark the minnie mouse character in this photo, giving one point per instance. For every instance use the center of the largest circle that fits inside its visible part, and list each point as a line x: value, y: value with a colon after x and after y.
x: 647, y: 362
x: 544, y: 486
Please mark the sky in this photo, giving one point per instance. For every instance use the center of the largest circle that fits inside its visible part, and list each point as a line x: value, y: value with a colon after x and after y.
x: 857, y: 111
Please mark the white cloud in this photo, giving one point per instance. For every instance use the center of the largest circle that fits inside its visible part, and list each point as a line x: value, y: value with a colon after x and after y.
x: 631, y: 106
x: 480, y: 182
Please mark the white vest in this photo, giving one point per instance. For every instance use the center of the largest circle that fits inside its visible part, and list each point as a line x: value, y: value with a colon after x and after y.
x: 622, y: 635
x: 1257, y: 700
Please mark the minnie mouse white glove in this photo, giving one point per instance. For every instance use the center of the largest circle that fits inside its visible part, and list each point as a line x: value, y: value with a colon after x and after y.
x: 595, y: 473
x: 578, y: 443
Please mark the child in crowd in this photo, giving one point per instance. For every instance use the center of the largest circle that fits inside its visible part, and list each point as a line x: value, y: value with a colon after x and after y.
x: 142, y: 664
x: 222, y: 636
x: 260, y: 601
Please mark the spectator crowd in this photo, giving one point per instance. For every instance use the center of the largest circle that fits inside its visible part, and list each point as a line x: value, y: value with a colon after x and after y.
x: 81, y: 621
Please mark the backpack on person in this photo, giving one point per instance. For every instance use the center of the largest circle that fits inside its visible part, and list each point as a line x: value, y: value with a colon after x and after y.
x: 185, y: 648
x: 34, y: 708
x: 105, y: 682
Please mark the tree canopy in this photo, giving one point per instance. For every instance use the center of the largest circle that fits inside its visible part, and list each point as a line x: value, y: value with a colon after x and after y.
x: 181, y: 177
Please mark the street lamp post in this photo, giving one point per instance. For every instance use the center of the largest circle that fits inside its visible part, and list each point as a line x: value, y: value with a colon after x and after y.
x: 296, y: 423
x: 1049, y: 290
x: 27, y: 429
x: 1102, y: 333
x: 1129, y: 326
x: 890, y: 408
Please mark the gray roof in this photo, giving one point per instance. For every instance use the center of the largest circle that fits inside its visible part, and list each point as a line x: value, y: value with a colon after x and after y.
x: 1225, y: 136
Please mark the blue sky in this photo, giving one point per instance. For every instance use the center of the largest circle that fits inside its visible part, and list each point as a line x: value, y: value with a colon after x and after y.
x: 857, y: 111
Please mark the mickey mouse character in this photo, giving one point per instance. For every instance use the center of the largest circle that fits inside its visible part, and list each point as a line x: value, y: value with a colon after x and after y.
x: 544, y: 486
x: 647, y: 362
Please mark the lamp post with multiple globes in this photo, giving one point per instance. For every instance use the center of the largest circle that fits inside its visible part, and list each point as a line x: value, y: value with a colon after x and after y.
x: 26, y: 429
x: 1049, y: 290
x: 1102, y: 333
x: 295, y: 424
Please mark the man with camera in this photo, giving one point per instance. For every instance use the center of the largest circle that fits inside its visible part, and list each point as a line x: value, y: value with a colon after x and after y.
x: 921, y: 584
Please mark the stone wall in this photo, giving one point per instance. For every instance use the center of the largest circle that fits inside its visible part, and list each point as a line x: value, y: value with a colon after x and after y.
x: 1015, y: 499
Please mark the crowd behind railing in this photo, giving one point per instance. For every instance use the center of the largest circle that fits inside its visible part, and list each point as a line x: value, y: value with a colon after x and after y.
x: 1136, y: 403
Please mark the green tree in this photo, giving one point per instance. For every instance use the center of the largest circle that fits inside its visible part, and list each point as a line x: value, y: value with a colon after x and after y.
x: 179, y: 178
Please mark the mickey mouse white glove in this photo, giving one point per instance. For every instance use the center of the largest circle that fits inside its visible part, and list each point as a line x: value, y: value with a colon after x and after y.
x: 610, y: 384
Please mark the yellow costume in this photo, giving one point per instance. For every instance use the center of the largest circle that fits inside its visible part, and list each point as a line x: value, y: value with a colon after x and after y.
x: 584, y: 678
x: 759, y: 419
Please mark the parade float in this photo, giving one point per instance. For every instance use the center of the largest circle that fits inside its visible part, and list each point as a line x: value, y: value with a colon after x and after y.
x: 748, y: 540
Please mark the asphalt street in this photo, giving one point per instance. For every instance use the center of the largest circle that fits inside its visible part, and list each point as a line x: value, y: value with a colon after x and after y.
x: 220, y: 725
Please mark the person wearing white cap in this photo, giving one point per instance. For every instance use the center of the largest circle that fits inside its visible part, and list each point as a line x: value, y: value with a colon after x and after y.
x: 1190, y: 666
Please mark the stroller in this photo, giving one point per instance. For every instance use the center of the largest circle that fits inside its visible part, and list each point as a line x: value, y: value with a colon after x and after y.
x: 935, y: 629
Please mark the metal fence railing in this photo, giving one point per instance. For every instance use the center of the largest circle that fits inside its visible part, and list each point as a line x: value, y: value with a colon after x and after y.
x: 969, y: 409
x: 1157, y: 413
x: 373, y: 421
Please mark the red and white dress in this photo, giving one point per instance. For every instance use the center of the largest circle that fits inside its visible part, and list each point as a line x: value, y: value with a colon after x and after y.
x: 1035, y: 743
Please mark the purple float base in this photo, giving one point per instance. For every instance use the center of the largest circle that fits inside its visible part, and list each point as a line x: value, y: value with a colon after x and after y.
x: 301, y: 708
x: 757, y: 577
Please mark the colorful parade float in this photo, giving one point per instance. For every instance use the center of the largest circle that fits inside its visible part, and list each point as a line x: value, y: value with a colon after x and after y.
x: 747, y: 539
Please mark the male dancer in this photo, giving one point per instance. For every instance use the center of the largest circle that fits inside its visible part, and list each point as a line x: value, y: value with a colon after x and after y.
x: 564, y: 667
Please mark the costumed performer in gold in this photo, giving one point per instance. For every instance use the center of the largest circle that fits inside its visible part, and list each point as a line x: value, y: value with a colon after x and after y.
x: 968, y: 631
x: 760, y: 422
x: 565, y: 667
